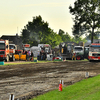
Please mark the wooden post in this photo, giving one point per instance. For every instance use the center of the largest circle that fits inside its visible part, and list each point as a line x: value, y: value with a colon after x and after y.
x: 87, y: 75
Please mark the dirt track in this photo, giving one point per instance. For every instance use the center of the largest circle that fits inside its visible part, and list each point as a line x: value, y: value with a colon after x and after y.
x: 28, y: 80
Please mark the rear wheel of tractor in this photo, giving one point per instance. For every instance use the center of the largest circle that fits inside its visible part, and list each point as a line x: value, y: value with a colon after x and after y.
x: 7, y: 58
x: 13, y: 58
x: 78, y: 58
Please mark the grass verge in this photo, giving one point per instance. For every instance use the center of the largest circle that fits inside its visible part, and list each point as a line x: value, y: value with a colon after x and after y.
x: 42, y: 61
x: 84, y: 90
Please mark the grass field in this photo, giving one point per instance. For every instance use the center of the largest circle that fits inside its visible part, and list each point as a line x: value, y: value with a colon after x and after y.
x: 84, y: 90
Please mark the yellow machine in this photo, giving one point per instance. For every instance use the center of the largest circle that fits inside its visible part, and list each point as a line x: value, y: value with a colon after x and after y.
x: 20, y: 56
x: 16, y: 56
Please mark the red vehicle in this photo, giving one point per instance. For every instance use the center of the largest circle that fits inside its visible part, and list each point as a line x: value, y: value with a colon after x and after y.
x: 5, y: 53
x: 94, y: 52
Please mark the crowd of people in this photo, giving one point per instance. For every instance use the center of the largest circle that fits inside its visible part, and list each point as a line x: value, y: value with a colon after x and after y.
x: 29, y: 54
x: 42, y: 55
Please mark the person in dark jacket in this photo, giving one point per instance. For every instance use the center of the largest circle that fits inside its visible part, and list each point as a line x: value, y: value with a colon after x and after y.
x: 31, y: 56
x: 42, y: 54
x: 26, y: 55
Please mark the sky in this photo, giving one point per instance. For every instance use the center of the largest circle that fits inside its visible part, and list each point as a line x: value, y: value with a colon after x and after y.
x: 15, y: 14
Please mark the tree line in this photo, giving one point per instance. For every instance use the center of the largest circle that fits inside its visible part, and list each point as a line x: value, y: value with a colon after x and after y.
x: 86, y: 21
x: 39, y: 32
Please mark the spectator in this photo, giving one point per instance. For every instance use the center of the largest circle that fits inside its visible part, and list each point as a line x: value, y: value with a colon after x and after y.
x: 42, y: 54
x: 38, y: 56
x: 26, y: 55
x: 29, y: 53
x: 23, y: 51
x: 31, y: 56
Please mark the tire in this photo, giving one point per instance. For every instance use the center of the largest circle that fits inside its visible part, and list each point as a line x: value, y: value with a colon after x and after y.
x: 90, y: 60
x: 78, y: 57
x: 7, y: 59
x: 13, y: 58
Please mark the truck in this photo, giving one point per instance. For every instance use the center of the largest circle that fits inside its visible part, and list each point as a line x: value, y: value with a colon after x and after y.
x: 94, y: 52
x: 6, y: 51
x: 12, y: 48
x: 78, y: 51
x: 81, y: 52
x: 71, y: 50
x: 66, y: 50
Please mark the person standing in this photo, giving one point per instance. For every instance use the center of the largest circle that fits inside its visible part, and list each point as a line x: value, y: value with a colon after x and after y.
x: 42, y: 54
x: 31, y: 56
x: 26, y: 55
x: 38, y: 55
x: 29, y: 53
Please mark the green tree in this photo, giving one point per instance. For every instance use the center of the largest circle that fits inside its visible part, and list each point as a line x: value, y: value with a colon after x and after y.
x: 25, y: 35
x: 61, y: 32
x: 87, y: 17
x: 38, y: 31
x: 65, y: 36
x: 88, y: 36
x: 78, y: 40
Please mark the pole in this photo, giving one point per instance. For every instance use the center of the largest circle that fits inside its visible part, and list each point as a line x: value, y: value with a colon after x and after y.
x: 11, y: 97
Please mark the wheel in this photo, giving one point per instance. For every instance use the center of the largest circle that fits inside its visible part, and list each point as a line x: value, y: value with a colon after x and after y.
x: 7, y: 58
x: 90, y: 60
x: 13, y: 58
x: 78, y: 58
